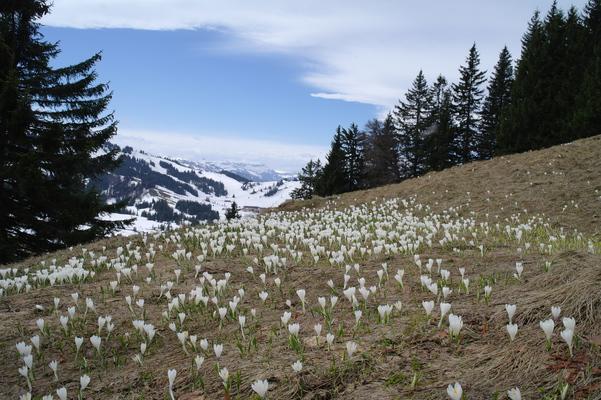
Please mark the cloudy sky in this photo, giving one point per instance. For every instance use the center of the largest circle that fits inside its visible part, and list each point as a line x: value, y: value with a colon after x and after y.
x: 269, y: 80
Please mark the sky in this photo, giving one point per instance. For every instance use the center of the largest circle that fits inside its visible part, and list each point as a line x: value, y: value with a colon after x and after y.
x: 270, y: 80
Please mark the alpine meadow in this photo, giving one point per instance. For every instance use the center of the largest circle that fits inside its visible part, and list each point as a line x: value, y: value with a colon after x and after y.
x: 279, y: 200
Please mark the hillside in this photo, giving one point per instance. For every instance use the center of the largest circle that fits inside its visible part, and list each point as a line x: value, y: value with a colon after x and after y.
x: 163, y: 191
x: 562, y: 182
x: 348, y: 290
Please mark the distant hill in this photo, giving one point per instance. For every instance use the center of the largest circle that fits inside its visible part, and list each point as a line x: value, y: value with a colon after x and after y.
x: 165, y: 191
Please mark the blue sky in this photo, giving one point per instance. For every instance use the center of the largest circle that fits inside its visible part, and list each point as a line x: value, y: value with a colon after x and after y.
x: 269, y: 80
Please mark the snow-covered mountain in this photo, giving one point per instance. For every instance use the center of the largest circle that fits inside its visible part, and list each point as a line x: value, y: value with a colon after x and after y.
x: 162, y: 190
x: 252, y: 172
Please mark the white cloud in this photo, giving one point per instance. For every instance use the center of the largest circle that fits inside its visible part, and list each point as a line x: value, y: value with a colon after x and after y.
x: 356, y: 50
x: 281, y: 156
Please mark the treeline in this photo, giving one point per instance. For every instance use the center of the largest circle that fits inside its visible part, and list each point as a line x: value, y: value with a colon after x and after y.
x: 551, y: 95
x: 189, y: 211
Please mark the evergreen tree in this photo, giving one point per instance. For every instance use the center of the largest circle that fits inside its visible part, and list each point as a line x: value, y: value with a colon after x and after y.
x: 382, y: 159
x: 412, y: 122
x: 309, y: 177
x: 549, y: 93
x: 233, y: 212
x: 353, y: 143
x: 555, y: 104
x: 517, y: 130
x: 467, y: 100
x: 439, y: 140
x: 53, y: 127
x: 495, y: 105
x: 578, y: 55
x: 586, y: 120
x: 333, y: 178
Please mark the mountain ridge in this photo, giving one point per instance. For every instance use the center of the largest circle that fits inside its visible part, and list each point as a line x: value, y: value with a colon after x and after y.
x: 165, y: 191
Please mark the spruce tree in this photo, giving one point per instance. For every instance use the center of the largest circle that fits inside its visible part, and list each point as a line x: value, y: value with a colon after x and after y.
x: 495, y: 105
x: 53, y: 127
x: 586, y: 119
x: 412, y: 122
x: 353, y: 143
x: 308, y: 178
x: 556, y: 103
x: 549, y: 92
x: 333, y: 178
x: 439, y: 140
x: 518, y: 130
x: 382, y: 159
x: 233, y: 212
x: 578, y: 56
x: 467, y: 101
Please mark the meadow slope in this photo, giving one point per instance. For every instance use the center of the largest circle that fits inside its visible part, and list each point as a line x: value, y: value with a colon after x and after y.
x: 356, y: 273
x: 561, y: 182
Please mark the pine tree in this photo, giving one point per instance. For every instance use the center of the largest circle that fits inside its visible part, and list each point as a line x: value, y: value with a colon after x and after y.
x: 517, y: 131
x: 353, y: 143
x: 578, y: 56
x: 495, y: 105
x: 309, y: 177
x: 467, y: 100
x: 555, y: 104
x: 333, y: 178
x: 382, y: 159
x: 53, y: 127
x: 586, y: 120
x: 412, y: 122
x: 549, y: 95
x: 233, y: 212
x: 439, y: 140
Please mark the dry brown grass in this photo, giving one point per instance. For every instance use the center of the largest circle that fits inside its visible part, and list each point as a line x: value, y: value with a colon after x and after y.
x: 389, y: 356
x: 541, y: 182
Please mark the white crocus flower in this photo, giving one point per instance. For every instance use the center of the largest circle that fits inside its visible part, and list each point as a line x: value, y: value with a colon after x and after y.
x: 455, y: 325
x: 96, y: 340
x: 444, y: 310
x: 293, y: 329
x: 225, y: 376
x: 263, y: 296
x: 330, y: 339
x: 78, y: 343
x: 512, y: 330
x: 218, y: 349
x: 455, y: 391
x: 514, y: 394
x: 84, y: 381
x: 301, y: 293
x: 53, y: 365
x: 568, y: 336
x: 260, y: 387
x: 171, y: 374
x: 510, y: 308
x: 351, y: 348
x: 198, y: 361
x: 62, y: 393
x: 428, y: 307
x: 569, y: 323
x: 297, y: 366
x: 547, y: 326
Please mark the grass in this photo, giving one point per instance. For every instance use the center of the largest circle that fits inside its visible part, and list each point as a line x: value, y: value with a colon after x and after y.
x: 408, y: 357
